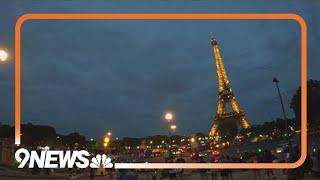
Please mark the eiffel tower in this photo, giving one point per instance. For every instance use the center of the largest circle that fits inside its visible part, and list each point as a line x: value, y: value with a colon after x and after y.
x: 226, y: 96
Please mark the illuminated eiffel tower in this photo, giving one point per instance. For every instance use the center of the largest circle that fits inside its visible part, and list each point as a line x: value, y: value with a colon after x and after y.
x: 226, y: 96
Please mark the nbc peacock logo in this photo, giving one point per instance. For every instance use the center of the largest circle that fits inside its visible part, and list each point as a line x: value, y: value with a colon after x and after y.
x: 61, y: 159
x: 101, y: 161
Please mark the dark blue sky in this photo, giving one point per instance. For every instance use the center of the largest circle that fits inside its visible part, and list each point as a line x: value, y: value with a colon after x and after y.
x: 90, y: 76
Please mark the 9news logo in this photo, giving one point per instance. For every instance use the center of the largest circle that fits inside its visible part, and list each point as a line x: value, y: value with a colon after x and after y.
x: 61, y: 159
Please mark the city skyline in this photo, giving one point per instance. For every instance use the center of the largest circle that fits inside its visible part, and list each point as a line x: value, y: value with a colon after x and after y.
x: 174, y: 71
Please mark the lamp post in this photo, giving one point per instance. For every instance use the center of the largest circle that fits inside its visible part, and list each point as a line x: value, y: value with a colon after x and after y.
x: 171, y: 128
x: 276, y: 81
x: 169, y: 118
x: 107, y: 139
x: 4, y: 56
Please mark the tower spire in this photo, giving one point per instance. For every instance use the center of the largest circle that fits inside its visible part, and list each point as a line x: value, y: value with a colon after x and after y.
x: 221, y: 72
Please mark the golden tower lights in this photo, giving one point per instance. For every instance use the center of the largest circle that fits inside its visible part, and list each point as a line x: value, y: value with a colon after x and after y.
x: 226, y: 96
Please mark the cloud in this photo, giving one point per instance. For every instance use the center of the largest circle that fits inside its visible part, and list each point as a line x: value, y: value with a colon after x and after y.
x: 89, y: 76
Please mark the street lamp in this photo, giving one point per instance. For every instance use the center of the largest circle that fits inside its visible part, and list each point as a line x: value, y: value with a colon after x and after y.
x: 173, y: 127
x: 105, y: 145
x: 3, y: 55
x: 192, y: 140
x: 106, y: 141
x: 276, y: 81
x: 168, y: 116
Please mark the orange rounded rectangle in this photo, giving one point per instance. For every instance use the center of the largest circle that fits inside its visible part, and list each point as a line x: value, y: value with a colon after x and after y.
x: 261, y: 16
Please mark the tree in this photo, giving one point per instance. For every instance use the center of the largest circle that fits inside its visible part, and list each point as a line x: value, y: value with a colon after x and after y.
x: 73, y: 139
x: 133, y: 142
x: 313, y: 103
x: 37, y: 134
x: 6, y: 131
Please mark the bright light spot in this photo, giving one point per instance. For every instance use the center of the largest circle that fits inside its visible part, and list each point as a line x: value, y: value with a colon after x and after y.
x: 279, y: 150
x: 259, y: 150
x: 173, y: 127
x: 192, y: 140
x: 168, y: 116
x: 106, y: 139
x: 3, y: 55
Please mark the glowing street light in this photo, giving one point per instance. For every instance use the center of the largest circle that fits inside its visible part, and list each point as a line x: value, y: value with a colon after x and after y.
x: 173, y: 127
x: 192, y: 140
x: 3, y: 55
x: 168, y: 116
x: 106, y: 140
x: 105, y: 145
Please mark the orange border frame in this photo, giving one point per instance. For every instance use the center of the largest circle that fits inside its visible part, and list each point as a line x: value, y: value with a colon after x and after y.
x: 294, y: 17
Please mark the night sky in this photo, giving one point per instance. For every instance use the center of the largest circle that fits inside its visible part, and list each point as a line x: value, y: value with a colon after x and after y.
x: 92, y: 76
